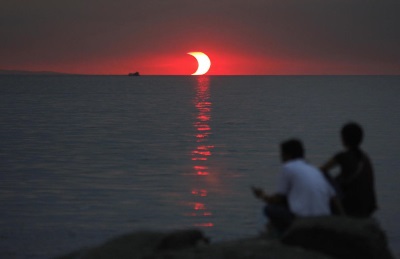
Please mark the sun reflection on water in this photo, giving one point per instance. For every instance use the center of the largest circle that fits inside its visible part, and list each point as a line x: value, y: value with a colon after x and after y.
x: 201, y: 154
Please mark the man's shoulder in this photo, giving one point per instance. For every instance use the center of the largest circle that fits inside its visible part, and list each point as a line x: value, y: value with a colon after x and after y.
x: 295, y: 164
x: 299, y: 165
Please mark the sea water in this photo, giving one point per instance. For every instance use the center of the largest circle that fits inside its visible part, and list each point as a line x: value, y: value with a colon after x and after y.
x: 87, y: 158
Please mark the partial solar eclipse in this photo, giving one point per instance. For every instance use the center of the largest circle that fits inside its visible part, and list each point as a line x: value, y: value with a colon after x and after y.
x: 204, y: 63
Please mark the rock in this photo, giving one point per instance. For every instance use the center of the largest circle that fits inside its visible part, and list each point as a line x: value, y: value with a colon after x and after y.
x: 140, y: 245
x: 182, y: 239
x: 135, y: 245
x: 255, y: 248
x: 308, y: 238
x: 340, y: 237
x: 189, y: 244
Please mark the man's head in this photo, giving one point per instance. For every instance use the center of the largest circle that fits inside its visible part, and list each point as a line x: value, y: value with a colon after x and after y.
x: 352, y: 135
x: 291, y: 149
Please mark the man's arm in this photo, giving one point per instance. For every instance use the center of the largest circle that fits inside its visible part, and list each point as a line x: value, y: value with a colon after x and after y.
x: 274, y: 198
x: 328, y: 165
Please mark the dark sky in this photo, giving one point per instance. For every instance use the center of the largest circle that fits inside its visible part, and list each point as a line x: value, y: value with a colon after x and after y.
x: 239, y: 36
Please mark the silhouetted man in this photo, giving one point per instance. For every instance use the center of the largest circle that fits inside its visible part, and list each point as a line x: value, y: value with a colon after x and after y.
x: 355, y: 181
x: 302, y: 189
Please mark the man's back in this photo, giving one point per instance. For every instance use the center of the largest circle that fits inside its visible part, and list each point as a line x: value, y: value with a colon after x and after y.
x: 307, y: 190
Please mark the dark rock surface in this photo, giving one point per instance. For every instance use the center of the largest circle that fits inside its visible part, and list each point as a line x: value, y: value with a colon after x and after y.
x: 311, y: 238
x: 340, y: 237
x: 256, y: 248
x: 141, y: 245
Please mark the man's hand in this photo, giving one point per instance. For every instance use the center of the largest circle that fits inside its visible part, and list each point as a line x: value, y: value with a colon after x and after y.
x: 273, y: 198
x: 258, y: 192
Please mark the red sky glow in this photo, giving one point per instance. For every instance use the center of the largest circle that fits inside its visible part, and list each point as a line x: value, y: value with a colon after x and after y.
x: 257, y: 37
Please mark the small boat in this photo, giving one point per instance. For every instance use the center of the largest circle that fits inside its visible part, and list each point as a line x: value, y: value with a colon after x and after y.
x: 134, y: 74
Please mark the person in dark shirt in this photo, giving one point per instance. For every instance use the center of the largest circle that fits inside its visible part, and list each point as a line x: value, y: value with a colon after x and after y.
x: 355, y: 182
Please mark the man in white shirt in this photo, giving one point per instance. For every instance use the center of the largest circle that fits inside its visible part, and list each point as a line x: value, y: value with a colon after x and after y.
x: 302, y: 189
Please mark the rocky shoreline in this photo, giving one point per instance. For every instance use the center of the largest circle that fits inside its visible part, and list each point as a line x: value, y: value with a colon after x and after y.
x: 308, y: 238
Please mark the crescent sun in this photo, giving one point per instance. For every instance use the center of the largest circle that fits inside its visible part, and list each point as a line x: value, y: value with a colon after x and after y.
x: 204, y: 62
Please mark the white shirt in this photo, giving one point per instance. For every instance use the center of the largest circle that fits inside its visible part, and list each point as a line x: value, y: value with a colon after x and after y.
x: 307, y: 190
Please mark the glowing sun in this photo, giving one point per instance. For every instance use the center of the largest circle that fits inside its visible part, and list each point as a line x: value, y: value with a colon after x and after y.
x: 204, y: 62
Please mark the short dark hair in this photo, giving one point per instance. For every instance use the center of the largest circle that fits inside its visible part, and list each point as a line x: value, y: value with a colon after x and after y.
x: 293, y: 148
x: 352, y: 134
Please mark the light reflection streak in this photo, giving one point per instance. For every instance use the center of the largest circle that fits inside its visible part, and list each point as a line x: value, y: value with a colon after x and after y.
x: 202, y: 152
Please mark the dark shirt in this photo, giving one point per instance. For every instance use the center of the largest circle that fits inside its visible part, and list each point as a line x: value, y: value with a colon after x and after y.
x: 356, y: 182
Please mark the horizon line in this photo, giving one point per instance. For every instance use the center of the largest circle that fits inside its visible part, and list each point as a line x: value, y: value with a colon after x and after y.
x: 55, y: 73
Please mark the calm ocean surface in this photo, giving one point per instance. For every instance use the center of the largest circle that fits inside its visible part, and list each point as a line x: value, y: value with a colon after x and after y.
x: 86, y: 158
